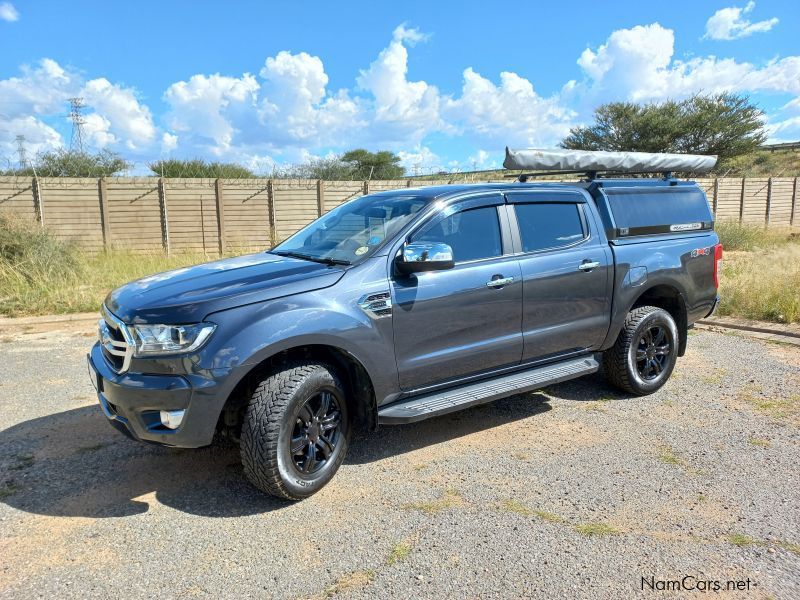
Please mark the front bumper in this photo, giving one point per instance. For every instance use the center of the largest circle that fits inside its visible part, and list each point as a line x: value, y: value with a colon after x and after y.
x: 132, y: 402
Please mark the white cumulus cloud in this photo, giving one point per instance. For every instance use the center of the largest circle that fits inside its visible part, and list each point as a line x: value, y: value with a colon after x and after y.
x: 8, y: 12
x: 401, y: 109
x: 637, y: 64
x: 730, y: 23
x: 206, y: 110
x: 511, y: 113
x: 120, y: 113
x: 421, y: 160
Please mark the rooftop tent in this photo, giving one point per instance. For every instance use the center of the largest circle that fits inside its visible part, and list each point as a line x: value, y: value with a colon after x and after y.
x: 621, y: 162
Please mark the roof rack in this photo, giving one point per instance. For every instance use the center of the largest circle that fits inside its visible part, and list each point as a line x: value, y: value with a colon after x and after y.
x: 592, y: 163
x: 590, y: 175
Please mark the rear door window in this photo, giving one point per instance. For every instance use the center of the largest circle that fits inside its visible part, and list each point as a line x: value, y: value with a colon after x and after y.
x: 544, y: 225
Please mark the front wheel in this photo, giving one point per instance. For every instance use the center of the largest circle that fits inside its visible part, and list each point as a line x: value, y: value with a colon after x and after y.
x: 644, y: 355
x: 296, y: 431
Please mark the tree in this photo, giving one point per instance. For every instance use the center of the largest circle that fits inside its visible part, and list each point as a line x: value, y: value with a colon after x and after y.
x: 353, y: 165
x: 199, y: 168
x: 71, y: 163
x: 723, y: 124
x: 331, y: 169
x: 374, y: 165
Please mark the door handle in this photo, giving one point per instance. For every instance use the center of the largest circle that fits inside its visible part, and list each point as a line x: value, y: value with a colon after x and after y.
x: 588, y: 265
x: 496, y: 283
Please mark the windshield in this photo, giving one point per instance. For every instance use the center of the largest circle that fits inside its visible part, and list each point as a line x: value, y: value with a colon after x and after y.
x: 352, y: 231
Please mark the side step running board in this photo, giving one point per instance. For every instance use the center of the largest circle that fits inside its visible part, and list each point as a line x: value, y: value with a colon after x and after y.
x: 443, y: 402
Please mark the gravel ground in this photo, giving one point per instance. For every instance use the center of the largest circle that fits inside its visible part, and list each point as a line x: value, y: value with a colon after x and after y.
x: 574, y: 491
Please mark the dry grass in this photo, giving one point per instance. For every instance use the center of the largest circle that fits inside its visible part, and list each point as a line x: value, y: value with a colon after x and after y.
x: 783, y: 409
x: 760, y: 281
x: 667, y: 455
x: 40, y: 274
x: 737, y: 236
x: 741, y: 540
x: 399, y: 552
x: 759, y: 442
x: 518, y: 508
x: 84, y: 288
x: 349, y: 582
x: 789, y: 546
x: 596, y: 529
x: 450, y: 499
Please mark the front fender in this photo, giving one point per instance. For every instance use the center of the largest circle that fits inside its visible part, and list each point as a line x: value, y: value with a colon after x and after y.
x: 248, y: 335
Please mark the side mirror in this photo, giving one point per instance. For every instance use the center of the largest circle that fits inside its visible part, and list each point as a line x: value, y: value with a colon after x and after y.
x: 425, y: 256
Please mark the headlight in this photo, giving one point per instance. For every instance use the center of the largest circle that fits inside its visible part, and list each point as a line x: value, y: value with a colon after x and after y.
x: 155, y: 340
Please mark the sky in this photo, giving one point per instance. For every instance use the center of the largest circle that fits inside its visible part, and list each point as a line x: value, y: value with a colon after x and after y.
x: 445, y: 85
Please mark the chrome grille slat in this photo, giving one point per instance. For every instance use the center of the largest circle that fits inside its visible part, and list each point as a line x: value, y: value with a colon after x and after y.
x: 116, y: 341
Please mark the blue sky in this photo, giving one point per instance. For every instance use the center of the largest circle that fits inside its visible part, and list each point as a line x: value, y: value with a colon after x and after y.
x: 446, y: 85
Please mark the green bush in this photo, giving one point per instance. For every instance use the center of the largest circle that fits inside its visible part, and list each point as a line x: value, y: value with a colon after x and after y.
x: 199, y: 168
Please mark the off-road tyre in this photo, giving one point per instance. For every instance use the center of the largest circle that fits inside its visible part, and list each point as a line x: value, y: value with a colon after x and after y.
x: 275, y: 414
x: 626, y: 362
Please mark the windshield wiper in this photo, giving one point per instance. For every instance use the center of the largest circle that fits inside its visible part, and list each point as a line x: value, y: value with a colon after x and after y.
x: 325, y: 260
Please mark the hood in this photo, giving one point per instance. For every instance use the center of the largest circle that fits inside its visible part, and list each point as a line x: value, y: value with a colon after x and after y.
x: 188, y: 295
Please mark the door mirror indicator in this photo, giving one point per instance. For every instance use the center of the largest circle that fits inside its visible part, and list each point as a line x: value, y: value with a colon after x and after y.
x: 418, y: 257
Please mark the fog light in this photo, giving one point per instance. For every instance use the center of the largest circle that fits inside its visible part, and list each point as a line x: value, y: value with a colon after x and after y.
x: 171, y: 419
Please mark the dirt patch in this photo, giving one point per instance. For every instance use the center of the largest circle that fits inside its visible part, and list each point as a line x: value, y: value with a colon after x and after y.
x: 788, y: 355
x: 44, y: 543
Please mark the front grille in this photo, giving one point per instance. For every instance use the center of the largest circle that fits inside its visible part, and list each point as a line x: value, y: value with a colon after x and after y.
x: 116, y: 341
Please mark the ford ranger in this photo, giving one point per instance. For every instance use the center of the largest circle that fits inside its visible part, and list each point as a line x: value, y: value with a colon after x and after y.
x: 405, y: 305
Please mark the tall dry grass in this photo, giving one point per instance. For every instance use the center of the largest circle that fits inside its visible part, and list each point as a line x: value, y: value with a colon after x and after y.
x: 40, y: 274
x: 760, y: 276
x: 740, y: 236
x: 762, y: 284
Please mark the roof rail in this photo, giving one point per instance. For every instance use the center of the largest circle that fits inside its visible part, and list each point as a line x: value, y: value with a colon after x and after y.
x: 589, y: 175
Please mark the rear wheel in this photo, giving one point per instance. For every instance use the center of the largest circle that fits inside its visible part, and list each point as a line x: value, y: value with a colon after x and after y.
x: 644, y: 355
x: 296, y: 431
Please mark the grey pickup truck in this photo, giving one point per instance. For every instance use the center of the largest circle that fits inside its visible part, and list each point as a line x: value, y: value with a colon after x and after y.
x: 405, y: 305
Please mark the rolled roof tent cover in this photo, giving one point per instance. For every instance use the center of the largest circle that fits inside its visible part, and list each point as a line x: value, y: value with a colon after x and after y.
x: 585, y: 161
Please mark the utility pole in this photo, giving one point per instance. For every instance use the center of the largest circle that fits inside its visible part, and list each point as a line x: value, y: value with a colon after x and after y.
x: 21, y: 151
x: 76, y: 142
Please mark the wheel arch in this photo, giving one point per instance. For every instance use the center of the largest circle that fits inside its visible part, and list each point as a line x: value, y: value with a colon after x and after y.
x: 669, y: 298
x: 360, y: 394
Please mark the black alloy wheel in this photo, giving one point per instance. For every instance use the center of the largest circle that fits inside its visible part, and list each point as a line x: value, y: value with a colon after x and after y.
x: 317, y: 432
x: 652, y: 352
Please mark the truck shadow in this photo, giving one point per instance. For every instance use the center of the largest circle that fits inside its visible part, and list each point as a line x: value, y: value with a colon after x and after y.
x: 74, y: 464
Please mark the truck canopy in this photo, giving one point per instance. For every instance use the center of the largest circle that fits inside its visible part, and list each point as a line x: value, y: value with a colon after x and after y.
x: 632, y: 207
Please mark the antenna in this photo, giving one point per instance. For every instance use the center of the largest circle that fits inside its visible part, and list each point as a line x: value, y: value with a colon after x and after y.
x: 21, y: 151
x: 76, y: 105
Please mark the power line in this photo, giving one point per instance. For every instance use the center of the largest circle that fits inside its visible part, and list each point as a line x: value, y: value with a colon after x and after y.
x: 76, y: 142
